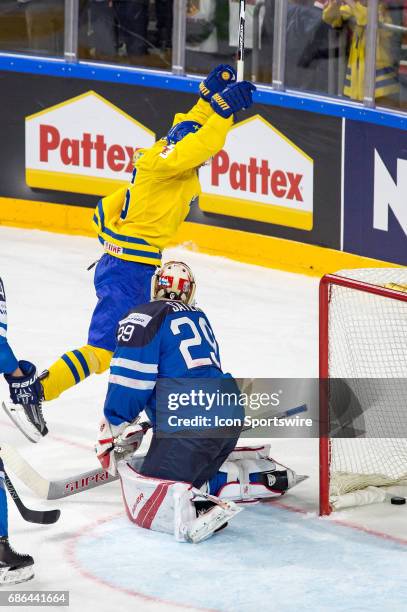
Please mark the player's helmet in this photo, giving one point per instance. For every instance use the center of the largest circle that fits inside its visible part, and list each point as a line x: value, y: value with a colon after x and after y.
x: 182, y: 129
x: 173, y: 281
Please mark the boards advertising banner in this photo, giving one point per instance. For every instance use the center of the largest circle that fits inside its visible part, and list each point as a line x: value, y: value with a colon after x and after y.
x: 375, y: 192
x: 261, y: 175
x: 70, y: 141
x: 85, y: 145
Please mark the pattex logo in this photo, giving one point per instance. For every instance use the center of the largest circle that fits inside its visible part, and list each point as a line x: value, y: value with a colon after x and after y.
x: 389, y: 194
x: 84, y: 145
x: 260, y: 175
x: 257, y: 177
x: 87, y: 152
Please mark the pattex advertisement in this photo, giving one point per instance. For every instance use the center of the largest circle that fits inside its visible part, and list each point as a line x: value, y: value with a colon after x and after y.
x: 70, y: 141
x: 262, y: 175
x: 85, y: 144
x: 375, y: 198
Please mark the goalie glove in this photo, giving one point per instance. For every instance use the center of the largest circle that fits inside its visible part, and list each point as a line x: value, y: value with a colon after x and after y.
x: 117, y: 442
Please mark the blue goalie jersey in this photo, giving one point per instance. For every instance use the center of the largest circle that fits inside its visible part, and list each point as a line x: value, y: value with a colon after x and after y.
x: 161, y: 339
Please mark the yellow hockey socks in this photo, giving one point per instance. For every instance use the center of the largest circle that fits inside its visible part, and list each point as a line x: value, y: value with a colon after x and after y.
x: 73, y: 367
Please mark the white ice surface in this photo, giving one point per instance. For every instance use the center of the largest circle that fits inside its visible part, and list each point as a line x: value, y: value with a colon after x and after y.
x: 269, y: 557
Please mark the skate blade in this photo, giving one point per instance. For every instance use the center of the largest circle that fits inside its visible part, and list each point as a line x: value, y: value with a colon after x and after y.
x: 206, y: 524
x: 19, y: 419
x: 9, y: 577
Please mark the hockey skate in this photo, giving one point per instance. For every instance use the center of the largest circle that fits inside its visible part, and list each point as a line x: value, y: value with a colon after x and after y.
x: 14, y: 568
x: 210, y: 520
x: 28, y: 417
x: 29, y: 420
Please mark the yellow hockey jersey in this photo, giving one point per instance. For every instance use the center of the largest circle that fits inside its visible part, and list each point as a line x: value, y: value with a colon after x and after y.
x: 137, y: 221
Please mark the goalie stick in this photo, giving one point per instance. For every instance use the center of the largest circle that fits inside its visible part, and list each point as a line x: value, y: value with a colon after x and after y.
x: 43, y: 517
x: 52, y: 489
x: 65, y: 487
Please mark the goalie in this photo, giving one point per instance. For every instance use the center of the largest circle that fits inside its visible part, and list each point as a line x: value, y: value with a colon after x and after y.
x: 134, y: 224
x: 186, y: 484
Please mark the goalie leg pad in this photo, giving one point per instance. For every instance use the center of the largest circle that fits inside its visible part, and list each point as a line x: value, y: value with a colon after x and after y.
x: 249, y: 475
x: 157, y: 504
x: 167, y: 506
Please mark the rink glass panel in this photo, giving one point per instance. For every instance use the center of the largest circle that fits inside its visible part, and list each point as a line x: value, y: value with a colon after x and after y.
x: 136, y: 33
x: 290, y: 44
x: 34, y: 27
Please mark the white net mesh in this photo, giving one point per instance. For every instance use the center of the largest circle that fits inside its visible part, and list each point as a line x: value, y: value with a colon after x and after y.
x: 367, y: 349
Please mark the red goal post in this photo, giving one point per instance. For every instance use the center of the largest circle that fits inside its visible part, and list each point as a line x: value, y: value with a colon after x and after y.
x: 343, y: 280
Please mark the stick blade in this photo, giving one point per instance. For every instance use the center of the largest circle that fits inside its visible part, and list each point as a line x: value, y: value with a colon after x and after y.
x: 40, y: 517
x: 23, y: 470
x: 59, y: 489
x: 49, y: 517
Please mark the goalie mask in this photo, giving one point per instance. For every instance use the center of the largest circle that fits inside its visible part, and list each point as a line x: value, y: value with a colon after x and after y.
x: 174, y: 281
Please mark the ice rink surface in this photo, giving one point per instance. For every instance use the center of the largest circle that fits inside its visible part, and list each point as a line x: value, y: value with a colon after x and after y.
x: 274, y: 556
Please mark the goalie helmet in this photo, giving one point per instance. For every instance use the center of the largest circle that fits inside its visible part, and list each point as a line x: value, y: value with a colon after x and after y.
x: 173, y: 281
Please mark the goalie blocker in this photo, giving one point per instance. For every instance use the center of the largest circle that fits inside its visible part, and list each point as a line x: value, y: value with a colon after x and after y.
x: 192, y: 514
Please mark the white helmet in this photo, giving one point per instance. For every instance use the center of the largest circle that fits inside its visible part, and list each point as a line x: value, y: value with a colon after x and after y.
x: 173, y: 281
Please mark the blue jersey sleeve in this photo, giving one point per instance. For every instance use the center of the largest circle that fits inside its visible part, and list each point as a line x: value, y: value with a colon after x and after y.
x: 134, y: 366
x: 8, y: 362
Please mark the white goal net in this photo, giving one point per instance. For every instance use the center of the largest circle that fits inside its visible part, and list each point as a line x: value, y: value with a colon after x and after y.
x: 367, y: 356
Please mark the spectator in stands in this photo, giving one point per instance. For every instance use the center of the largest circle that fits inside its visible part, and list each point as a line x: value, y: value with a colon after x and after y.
x: 102, y: 39
x: 113, y: 24
x: 163, y: 11
x: 132, y: 19
x: 306, y: 46
x: 354, y: 12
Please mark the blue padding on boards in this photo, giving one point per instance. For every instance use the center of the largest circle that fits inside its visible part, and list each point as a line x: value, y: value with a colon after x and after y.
x: 189, y: 83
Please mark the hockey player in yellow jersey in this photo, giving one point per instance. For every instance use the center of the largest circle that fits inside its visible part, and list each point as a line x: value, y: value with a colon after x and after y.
x: 134, y: 224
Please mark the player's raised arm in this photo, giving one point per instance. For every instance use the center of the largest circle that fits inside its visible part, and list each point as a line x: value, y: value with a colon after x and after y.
x: 185, y: 152
x: 216, y: 81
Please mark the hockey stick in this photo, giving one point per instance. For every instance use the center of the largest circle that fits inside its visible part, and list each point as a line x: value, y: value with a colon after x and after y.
x: 65, y: 487
x: 43, y: 517
x: 241, y: 36
x: 52, y: 489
